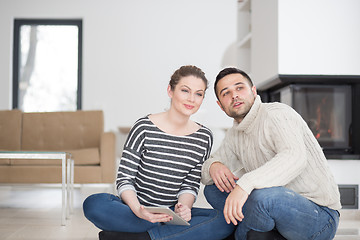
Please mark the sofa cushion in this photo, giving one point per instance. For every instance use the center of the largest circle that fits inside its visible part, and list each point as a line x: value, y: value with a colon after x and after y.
x: 48, y: 174
x: 84, y: 157
x: 90, y: 156
x: 10, y: 132
x: 4, y: 162
x: 10, y: 129
x: 56, y: 131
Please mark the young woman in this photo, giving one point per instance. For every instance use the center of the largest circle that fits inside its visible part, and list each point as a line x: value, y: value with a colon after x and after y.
x: 161, y: 166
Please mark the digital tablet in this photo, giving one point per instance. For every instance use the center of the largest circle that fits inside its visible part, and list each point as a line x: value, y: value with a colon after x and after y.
x: 177, y: 220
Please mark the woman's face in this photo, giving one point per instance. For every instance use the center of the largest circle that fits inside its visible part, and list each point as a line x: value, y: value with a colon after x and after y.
x: 188, y: 95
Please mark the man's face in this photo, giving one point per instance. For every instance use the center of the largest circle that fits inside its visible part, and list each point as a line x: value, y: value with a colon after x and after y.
x: 236, y: 96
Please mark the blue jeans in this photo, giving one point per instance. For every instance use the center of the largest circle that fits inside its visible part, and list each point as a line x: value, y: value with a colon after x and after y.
x: 109, y: 213
x: 294, y: 216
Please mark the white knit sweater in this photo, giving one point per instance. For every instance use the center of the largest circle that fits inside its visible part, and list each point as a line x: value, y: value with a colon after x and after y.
x: 273, y: 146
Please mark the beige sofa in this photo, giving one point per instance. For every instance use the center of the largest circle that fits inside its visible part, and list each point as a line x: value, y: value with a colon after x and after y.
x: 80, y: 133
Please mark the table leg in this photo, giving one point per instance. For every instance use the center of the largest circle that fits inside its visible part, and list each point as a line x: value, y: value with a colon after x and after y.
x: 72, y: 186
x: 64, y: 205
x: 68, y: 169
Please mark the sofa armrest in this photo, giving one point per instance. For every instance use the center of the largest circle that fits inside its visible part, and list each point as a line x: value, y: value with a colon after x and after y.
x: 108, y: 157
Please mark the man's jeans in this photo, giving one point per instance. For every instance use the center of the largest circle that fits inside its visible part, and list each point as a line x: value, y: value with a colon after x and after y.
x: 109, y: 213
x: 294, y: 216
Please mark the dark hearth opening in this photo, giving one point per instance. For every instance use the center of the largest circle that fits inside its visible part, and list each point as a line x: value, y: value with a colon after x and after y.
x: 330, y: 105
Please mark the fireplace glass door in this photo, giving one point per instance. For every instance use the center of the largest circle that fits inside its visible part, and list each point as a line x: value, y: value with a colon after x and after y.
x: 327, y: 111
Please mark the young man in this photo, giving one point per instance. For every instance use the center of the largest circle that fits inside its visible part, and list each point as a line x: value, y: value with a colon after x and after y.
x: 269, y: 172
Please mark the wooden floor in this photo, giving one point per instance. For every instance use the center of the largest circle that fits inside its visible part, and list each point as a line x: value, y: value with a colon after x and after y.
x: 34, y: 212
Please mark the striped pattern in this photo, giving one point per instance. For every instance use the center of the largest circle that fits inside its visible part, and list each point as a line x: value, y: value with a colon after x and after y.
x: 160, y: 166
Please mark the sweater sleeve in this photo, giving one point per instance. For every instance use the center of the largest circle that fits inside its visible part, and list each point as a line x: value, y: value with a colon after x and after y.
x: 284, y: 129
x: 192, y: 182
x: 194, y: 176
x: 130, y: 159
x: 225, y: 155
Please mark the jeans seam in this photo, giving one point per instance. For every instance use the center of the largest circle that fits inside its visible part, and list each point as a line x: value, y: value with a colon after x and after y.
x: 331, y: 224
x: 151, y: 235
x: 327, y: 226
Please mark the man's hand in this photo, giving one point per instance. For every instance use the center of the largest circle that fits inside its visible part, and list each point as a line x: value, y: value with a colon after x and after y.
x: 234, y: 204
x: 223, y: 178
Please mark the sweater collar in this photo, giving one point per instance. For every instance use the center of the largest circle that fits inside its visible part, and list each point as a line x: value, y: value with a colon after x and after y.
x: 250, y: 117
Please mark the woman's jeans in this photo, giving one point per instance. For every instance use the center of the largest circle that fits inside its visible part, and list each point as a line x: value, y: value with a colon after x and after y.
x: 294, y: 216
x: 109, y: 213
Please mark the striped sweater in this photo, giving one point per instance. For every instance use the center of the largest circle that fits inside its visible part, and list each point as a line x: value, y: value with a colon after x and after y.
x: 159, y: 166
x: 273, y: 146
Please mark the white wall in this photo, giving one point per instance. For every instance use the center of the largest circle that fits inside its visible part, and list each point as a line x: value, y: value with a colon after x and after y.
x: 264, y: 42
x: 131, y: 48
x: 304, y: 37
x: 319, y: 37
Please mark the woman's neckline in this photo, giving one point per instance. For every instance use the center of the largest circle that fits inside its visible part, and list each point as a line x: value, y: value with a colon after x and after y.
x: 173, y: 134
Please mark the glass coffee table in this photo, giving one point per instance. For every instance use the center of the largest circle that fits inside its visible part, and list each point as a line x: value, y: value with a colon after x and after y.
x: 67, y: 174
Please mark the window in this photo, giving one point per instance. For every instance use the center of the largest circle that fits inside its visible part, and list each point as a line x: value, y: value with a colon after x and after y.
x: 47, y: 65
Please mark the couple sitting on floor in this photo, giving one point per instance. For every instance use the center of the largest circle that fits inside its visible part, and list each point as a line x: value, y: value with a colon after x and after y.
x: 269, y: 179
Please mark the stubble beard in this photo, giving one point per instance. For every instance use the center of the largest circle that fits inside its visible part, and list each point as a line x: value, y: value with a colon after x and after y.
x: 239, y: 114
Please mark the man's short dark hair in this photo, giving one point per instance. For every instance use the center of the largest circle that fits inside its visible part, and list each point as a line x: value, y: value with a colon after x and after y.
x: 227, y: 71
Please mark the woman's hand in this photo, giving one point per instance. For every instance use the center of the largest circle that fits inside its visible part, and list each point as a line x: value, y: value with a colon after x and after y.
x: 184, y: 205
x: 129, y: 197
x: 152, y: 217
x: 183, y: 211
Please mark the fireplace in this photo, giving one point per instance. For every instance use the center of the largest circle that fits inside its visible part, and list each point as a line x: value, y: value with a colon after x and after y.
x: 330, y: 105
